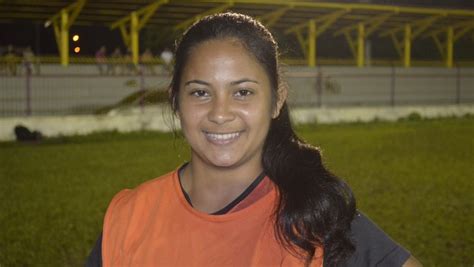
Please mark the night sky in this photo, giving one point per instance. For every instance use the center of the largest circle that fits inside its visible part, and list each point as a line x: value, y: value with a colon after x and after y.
x: 42, y: 39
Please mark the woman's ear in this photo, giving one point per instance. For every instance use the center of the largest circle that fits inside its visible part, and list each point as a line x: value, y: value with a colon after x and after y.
x: 282, y: 94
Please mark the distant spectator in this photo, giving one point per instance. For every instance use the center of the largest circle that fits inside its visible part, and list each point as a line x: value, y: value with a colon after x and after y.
x: 37, y: 65
x: 28, y: 60
x: 115, y: 62
x: 101, y: 59
x: 167, y: 58
x: 147, y: 62
x: 130, y: 66
x: 3, y: 67
x: 11, y: 61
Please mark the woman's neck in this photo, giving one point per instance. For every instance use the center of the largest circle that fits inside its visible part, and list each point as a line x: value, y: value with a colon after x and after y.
x: 211, y: 188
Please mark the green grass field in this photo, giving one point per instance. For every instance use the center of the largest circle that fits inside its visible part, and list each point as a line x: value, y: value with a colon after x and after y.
x: 413, y: 178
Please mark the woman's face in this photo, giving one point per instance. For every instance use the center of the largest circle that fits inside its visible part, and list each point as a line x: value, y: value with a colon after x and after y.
x: 225, y: 105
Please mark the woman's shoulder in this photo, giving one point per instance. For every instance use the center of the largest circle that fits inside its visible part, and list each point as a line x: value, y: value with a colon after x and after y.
x: 156, y: 184
x: 373, y: 246
x: 143, y: 194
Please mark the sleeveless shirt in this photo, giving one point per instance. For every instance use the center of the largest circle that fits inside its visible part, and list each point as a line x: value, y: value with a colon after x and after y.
x: 154, y: 225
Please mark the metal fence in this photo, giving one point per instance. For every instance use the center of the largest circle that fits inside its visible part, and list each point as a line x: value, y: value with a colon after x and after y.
x: 51, y: 89
x: 77, y: 89
x: 380, y: 86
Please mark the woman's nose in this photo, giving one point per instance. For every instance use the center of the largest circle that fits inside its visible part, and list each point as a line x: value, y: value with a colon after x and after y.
x: 221, y: 110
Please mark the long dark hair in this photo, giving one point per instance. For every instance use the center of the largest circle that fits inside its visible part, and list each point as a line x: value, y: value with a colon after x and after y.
x: 315, y: 208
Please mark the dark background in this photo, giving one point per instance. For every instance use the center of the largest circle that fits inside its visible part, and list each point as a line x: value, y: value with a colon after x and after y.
x: 24, y: 33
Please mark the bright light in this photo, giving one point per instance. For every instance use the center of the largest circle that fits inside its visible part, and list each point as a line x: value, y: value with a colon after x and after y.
x: 47, y: 23
x: 75, y: 38
x: 77, y: 49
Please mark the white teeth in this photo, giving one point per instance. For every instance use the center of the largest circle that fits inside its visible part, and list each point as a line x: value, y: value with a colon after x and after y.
x: 223, y: 137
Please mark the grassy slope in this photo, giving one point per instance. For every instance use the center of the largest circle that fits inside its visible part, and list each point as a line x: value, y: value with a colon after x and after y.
x: 412, y: 178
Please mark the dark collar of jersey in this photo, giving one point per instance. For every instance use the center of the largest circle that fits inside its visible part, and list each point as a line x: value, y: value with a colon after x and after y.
x: 232, y: 204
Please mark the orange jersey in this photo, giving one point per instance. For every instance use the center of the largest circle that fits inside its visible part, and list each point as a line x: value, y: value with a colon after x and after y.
x: 154, y: 225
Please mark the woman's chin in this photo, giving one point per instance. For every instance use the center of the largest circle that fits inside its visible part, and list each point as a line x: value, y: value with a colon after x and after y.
x: 223, y: 163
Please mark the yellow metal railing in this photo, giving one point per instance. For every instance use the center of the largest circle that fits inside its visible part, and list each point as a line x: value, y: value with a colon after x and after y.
x: 52, y: 59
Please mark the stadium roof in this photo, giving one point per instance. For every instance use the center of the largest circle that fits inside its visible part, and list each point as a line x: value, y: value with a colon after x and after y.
x: 290, y: 17
x: 178, y: 12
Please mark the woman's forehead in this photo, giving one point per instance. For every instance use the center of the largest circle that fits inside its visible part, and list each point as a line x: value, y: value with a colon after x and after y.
x: 220, y: 57
x: 217, y: 44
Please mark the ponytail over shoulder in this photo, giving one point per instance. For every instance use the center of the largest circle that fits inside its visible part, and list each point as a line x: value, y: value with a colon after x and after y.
x: 315, y: 207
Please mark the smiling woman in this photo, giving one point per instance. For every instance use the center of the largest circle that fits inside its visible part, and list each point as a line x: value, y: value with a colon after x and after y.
x: 225, y: 109
x: 253, y: 193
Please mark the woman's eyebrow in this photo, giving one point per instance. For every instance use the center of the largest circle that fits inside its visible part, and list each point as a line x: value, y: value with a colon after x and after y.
x: 197, y: 81
x: 243, y: 81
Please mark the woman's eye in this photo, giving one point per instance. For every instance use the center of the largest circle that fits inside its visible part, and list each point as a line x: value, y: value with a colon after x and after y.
x: 243, y: 93
x: 199, y: 93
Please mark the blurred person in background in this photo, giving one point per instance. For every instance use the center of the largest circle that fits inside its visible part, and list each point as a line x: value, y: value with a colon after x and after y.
x: 115, y: 62
x: 28, y: 60
x: 11, y: 60
x: 167, y: 59
x: 2, y: 61
x: 129, y: 65
x: 146, y: 60
x: 101, y: 59
x: 253, y: 193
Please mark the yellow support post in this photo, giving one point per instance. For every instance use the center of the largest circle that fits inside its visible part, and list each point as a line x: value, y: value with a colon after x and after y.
x: 453, y: 33
x: 396, y: 44
x: 392, y: 31
x: 271, y: 18
x: 302, y: 42
x: 372, y: 24
x: 57, y: 36
x: 460, y: 29
x: 312, y: 43
x: 324, y: 20
x: 64, y: 39
x: 183, y: 25
x: 62, y: 21
x: 75, y: 10
x: 345, y: 30
x: 360, y: 44
x: 134, y: 36
x: 125, y: 35
x: 422, y: 25
x: 356, y: 6
x: 327, y: 20
x: 449, y: 47
x: 407, y: 46
x: 136, y: 21
x: 439, y: 46
x: 146, y: 13
x: 461, y: 32
x: 351, y: 43
x: 376, y: 22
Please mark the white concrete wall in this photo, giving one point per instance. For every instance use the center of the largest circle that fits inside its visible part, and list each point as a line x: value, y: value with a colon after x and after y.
x: 80, y: 89
x: 159, y: 118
